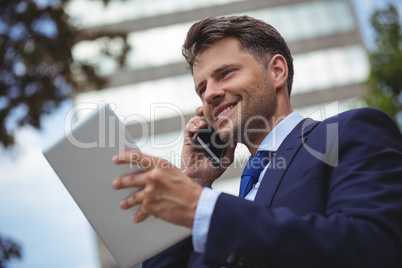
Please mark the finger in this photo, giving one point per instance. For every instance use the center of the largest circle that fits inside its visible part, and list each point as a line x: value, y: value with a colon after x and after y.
x: 193, y: 125
x: 136, y: 157
x: 129, y: 180
x: 199, y: 111
x: 124, y: 157
x: 140, y: 215
x: 131, y: 201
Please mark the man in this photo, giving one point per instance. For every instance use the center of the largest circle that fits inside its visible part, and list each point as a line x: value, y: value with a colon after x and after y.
x: 335, y: 199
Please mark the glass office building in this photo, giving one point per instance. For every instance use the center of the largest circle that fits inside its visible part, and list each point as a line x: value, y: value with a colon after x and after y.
x: 155, y: 94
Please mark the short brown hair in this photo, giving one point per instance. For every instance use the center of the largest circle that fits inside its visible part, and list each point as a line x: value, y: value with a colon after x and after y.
x: 258, y: 38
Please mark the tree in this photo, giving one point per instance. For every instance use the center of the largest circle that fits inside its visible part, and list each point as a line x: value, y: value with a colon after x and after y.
x: 8, y: 251
x: 385, y: 81
x: 37, y: 69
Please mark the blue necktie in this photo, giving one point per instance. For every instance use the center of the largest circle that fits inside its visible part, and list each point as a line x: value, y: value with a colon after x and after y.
x: 255, y: 165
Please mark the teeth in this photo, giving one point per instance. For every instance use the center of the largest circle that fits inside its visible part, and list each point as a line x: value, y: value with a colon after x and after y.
x: 224, y: 111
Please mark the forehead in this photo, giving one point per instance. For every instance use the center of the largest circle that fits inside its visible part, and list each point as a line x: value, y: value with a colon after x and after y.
x: 223, y: 52
x: 228, y: 45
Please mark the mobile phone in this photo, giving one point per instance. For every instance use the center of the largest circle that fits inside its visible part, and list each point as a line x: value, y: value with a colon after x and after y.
x: 208, y: 141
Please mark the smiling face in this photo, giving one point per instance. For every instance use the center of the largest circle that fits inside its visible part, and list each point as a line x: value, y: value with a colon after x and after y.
x: 238, y: 93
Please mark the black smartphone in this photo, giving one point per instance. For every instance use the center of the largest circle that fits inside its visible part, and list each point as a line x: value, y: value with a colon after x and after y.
x: 208, y: 141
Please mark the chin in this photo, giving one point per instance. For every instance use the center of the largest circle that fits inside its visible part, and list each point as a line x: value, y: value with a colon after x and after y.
x: 227, y: 134
x: 227, y: 129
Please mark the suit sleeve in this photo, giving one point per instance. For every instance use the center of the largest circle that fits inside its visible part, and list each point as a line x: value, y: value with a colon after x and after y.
x: 176, y: 256
x: 362, y: 223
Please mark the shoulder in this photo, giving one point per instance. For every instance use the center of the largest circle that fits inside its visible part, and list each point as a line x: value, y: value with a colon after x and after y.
x: 373, y: 116
x: 361, y: 119
x: 366, y: 125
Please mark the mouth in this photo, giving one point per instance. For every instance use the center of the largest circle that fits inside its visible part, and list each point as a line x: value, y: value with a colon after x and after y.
x: 223, y: 111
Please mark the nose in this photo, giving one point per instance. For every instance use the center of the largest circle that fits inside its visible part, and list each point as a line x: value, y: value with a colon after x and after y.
x: 213, y: 93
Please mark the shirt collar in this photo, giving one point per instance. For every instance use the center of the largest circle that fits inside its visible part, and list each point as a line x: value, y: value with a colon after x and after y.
x: 275, y: 138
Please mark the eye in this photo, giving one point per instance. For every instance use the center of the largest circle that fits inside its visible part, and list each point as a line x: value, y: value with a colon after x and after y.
x: 201, y: 91
x: 226, y: 73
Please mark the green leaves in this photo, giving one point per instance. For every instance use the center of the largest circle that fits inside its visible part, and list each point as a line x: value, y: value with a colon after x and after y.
x: 385, y: 81
x: 8, y: 250
x: 37, y: 68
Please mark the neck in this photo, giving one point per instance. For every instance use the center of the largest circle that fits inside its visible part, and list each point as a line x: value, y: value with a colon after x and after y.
x: 283, y: 108
x: 252, y: 142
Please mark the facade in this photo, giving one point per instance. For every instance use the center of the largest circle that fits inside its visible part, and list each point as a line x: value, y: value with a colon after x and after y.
x: 155, y: 96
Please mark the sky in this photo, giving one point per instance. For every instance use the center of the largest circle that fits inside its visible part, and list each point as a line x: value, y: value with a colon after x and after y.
x: 35, y: 209
x: 38, y: 213
x: 364, y: 9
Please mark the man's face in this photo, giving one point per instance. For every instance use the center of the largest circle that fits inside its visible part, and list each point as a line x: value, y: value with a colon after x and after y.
x: 237, y: 93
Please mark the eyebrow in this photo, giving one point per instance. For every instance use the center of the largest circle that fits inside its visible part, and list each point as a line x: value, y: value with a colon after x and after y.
x: 218, y: 70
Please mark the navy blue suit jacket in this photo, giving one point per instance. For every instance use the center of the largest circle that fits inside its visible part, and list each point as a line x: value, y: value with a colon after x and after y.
x: 332, y: 197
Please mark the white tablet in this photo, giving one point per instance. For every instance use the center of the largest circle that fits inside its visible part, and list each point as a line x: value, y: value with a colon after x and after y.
x: 82, y: 159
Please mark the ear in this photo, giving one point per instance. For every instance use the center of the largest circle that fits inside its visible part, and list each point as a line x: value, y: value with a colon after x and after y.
x: 279, y: 71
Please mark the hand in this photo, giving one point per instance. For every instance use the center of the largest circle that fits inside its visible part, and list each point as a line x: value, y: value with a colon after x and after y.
x: 167, y: 193
x: 194, y: 163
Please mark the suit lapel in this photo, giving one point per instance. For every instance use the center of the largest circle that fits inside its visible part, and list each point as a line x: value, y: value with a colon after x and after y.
x: 283, y: 158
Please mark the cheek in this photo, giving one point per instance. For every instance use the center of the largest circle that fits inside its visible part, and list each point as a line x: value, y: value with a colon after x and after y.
x: 207, y: 111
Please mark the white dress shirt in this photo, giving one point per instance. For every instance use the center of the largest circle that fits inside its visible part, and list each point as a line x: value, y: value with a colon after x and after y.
x: 207, y: 201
